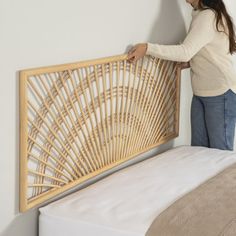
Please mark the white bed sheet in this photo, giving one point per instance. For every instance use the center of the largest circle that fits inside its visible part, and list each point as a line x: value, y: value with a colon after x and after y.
x: 126, y: 202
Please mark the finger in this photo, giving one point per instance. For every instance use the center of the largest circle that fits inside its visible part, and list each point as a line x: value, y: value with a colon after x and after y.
x: 179, y: 65
x: 131, y: 55
x: 131, y: 59
x: 135, y: 59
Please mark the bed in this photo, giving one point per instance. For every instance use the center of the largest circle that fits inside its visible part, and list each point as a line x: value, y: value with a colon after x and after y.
x: 127, y: 202
x: 82, y: 119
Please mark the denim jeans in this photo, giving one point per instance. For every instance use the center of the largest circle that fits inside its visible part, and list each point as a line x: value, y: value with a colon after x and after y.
x: 213, y: 121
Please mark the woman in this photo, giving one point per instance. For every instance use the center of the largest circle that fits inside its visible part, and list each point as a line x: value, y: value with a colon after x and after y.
x: 207, y: 49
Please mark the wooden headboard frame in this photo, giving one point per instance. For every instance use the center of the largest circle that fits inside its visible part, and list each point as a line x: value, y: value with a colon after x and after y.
x: 78, y: 120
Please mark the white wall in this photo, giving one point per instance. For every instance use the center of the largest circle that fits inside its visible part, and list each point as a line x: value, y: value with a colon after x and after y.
x: 46, y: 32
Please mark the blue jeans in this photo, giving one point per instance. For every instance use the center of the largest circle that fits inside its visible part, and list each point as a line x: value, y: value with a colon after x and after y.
x: 213, y: 121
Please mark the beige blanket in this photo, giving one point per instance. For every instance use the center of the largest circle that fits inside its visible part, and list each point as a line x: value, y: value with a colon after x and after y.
x: 209, y: 210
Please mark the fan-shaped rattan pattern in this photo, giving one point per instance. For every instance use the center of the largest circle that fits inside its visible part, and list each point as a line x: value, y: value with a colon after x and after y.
x: 80, y: 119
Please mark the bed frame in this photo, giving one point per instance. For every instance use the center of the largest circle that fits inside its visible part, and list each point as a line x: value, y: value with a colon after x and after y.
x: 81, y: 119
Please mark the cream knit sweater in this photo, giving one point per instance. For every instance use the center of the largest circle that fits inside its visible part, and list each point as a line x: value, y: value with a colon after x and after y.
x: 212, y: 71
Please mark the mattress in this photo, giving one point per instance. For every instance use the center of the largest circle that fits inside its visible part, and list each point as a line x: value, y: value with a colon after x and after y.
x: 126, y: 202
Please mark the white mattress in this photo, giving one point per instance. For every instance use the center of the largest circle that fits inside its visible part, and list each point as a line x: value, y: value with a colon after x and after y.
x: 126, y: 202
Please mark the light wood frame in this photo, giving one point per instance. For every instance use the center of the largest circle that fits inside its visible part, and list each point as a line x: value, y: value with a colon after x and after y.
x: 78, y: 120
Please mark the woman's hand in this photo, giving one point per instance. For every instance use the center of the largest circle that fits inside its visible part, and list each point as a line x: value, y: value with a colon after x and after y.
x: 183, y: 65
x: 137, y: 52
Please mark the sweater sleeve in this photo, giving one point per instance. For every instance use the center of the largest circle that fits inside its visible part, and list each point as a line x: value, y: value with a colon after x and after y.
x: 202, y: 31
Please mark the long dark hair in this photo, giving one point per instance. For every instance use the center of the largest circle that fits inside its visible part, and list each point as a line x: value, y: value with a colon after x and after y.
x: 220, y: 10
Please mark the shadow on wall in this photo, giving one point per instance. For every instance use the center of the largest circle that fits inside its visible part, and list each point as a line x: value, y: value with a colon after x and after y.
x: 169, y: 27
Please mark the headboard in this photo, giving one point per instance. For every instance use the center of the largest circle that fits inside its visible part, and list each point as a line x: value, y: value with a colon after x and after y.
x: 78, y: 120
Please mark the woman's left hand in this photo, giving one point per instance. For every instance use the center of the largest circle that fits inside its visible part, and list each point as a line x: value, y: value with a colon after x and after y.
x: 137, y: 52
x: 183, y: 65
